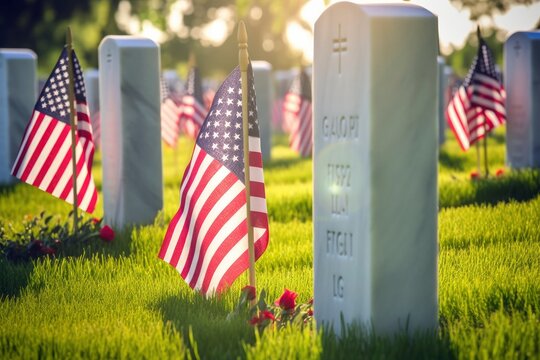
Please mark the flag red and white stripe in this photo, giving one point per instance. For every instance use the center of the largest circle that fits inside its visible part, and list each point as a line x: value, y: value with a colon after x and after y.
x: 96, y: 128
x: 209, y: 97
x: 191, y: 116
x: 170, y: 116
x: 193, y: 109
x: 478, y: 105
x: 206, y: 240
x: 45, y: 157
x: 297, y: 115
x: 277, y: 114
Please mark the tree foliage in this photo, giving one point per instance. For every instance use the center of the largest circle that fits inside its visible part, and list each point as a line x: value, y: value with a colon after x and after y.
x: 479, y: 8
x: 41, y: 25
x: 461, y: 59
x: 266, y: 22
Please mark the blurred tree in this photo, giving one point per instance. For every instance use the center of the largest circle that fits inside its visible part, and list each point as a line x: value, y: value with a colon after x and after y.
x: 188, y: 25
x: 461, y: 59
x: 41, y: 25
x: 480, y: 8
x: 180, y: 26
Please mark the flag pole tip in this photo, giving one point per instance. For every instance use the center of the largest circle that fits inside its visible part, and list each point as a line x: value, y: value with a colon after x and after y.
x: 242, y: 33
x: 192, y: 59
x: 242, y: 46
x: 69, y: 40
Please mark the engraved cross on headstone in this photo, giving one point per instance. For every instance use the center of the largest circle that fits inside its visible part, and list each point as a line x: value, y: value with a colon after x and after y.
x: 339, y: 46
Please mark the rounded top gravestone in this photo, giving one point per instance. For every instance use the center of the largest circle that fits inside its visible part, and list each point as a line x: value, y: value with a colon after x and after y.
x: 375, y: 167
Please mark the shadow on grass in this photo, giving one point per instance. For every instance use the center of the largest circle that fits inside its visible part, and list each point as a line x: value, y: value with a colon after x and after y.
x: 362, y: 343
x: 214, y: 336
x: 15, y: 276
x: 515, y: 186
x: 453, y: 160
x: 497, y: 137
x: 7, y: 189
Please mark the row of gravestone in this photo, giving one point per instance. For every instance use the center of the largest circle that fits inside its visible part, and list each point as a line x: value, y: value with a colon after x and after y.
x: 20, y: 93
x: 374, y: 157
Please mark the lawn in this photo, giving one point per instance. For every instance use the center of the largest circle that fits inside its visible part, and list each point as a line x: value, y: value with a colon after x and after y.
x: 118, y: 300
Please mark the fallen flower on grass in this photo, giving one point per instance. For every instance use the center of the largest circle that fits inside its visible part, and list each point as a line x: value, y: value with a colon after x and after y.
x: 106, y: 233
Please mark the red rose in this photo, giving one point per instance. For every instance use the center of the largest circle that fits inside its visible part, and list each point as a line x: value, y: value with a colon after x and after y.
x: 34, y: 248
x: 106, y: 233
x: 250, y: 291
x: 310, y: 312
x: 45, y: 250
x: 255, y: 320
x: 475, y: 175
x: 265, y: 314
x: 287, y: 300
x: 499, y: 172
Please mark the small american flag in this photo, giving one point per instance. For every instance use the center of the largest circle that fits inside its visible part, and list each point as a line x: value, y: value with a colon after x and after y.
x: 170, y: 116
x: 206, y: 240
x: 44, y: 159
x: 277, y: 114
x: 209, y: 97
x: 193, y: 109
x: 478, y: 105
x: 96, y: 128
x: 297, y: 114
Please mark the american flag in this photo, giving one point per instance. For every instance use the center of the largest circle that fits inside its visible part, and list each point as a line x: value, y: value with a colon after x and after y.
x: 193, y: 109
x: 297, y: 114
x: 478, y: 105
x: 96, y: 128
x: 170, y: 116
x: 206, y: 240
x: 277, y: 114
x: 209, y: 97
x: 44, y: 159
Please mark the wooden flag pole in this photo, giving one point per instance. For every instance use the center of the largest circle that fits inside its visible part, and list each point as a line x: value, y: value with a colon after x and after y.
x: 244, y: 62
x: 73, y: 121
x: 486, y: 169
x: 192, y: 60
x: 478, y: 160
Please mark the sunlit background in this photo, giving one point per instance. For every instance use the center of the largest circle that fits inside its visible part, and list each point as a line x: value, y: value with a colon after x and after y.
x: 280, y: 31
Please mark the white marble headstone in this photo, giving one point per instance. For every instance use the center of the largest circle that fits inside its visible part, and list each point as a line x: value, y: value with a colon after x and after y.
x: 375, y: 167
x: 443, y: 85
x: 522, y: 85
x: 262, y: 73
x: 91, y: 83
x: 283, y: 80
x: 18, y: 93
x: 173, y: 81
x: 129, y: 91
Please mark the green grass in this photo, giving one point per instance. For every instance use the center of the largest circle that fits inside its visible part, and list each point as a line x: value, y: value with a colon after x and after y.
x: 119, y: 301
